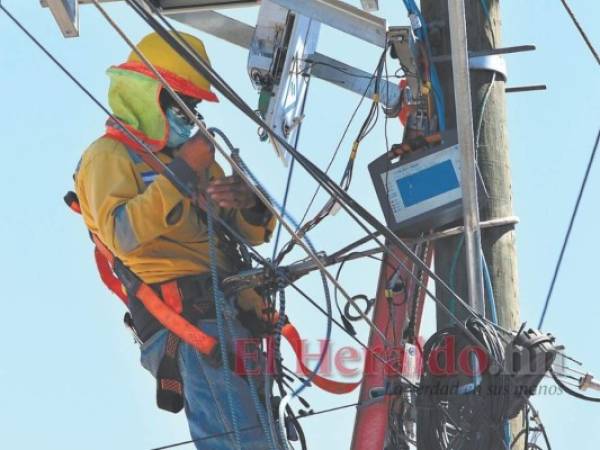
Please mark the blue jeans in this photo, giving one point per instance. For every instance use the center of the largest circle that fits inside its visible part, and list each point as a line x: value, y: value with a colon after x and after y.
x: 205, y: 394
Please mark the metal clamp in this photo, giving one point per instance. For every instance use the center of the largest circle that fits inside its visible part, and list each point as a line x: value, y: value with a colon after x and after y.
x: 490, y: 60
x: 491, y: 63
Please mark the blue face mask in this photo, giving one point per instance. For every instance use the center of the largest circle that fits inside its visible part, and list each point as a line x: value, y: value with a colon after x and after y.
x: 180, y: 129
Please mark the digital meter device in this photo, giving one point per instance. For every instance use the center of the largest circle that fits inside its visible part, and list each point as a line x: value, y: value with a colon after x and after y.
x: 421, y: 191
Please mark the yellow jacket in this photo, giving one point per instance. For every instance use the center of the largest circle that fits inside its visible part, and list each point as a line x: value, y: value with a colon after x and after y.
x: 145, y: 221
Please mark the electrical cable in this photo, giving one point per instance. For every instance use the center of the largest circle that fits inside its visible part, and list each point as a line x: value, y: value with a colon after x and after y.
x: 261, y: 411
x: 346, y: 180
x: 452, y: 398
x: 292, y: 164
x: 142, y: 144
x: 569, y: 229
x: 168, y: 173
x: 486, y: 9
x: 199, y: 64
x: 461, y: 241
x: 288, y: 184
x: 489, y: 290
x: 353, y: 208
x: 278, y: 359
x: 300, y: 417
x: 349, y: 327
x: 3, y: 8
x: 251, y: 176
x: 326, y: 183
x: 346, y: 72
x: 570, y: 391
x: 116, y: 122
x: 489, y: 294
x: 284, y: 402
x: 538, y: 421
x: 318, y: 263
x: 420, y: 29
x: 581, y: 30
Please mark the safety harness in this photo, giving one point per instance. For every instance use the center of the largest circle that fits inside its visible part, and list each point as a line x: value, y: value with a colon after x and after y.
x: 166, y: 308
x: 166, y: 304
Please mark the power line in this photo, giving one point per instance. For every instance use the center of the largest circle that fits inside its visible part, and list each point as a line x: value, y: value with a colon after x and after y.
x: 569, y: 229
x: 339, y: 145
x: 227, y: 433
x: 581, y: 30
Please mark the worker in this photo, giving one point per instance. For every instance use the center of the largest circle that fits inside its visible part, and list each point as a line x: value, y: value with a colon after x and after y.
x: 161, y: 236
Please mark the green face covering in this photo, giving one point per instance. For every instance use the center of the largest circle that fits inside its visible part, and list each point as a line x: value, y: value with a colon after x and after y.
x: 134, y: 99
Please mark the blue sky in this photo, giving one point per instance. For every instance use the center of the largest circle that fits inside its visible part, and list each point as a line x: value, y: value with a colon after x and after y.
x: 69, y: 376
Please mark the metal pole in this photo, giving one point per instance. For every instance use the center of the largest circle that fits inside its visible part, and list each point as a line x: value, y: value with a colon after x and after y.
x: 466, y: 140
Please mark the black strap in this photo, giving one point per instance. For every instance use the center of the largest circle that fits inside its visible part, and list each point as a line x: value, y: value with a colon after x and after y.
x: 169, y: 384
x: 197, y: 304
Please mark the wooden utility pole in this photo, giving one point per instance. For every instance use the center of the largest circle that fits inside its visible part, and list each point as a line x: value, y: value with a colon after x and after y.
x: 498, y: 243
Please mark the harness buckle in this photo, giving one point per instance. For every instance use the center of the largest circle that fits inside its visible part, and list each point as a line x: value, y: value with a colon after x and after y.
x: 128, y: 322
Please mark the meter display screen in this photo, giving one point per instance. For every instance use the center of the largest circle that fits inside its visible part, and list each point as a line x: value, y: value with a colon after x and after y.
x: 428, y: 183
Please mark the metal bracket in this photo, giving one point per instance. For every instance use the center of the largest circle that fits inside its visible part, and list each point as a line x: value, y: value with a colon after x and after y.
x: 66, y: 14
x: 353, y: 79
x: 341, y: 16
x: 528, y: 88
x: 280, y: 46
x: 165, y: 5
x: 492, y: 63
x: 402, y: 40
x: 488, y: 59
x: 219, y: 25
x: 323, y: 67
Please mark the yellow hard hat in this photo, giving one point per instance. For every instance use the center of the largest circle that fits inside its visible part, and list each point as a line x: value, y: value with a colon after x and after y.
x: 182, y: 77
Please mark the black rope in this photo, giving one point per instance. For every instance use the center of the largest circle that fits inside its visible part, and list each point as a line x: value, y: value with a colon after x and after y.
x: 581, y: 30
x: 569, y: 229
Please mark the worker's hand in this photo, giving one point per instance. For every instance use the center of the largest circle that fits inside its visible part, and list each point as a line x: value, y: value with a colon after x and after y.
x: 198, y: 153
x: 231, y: 192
